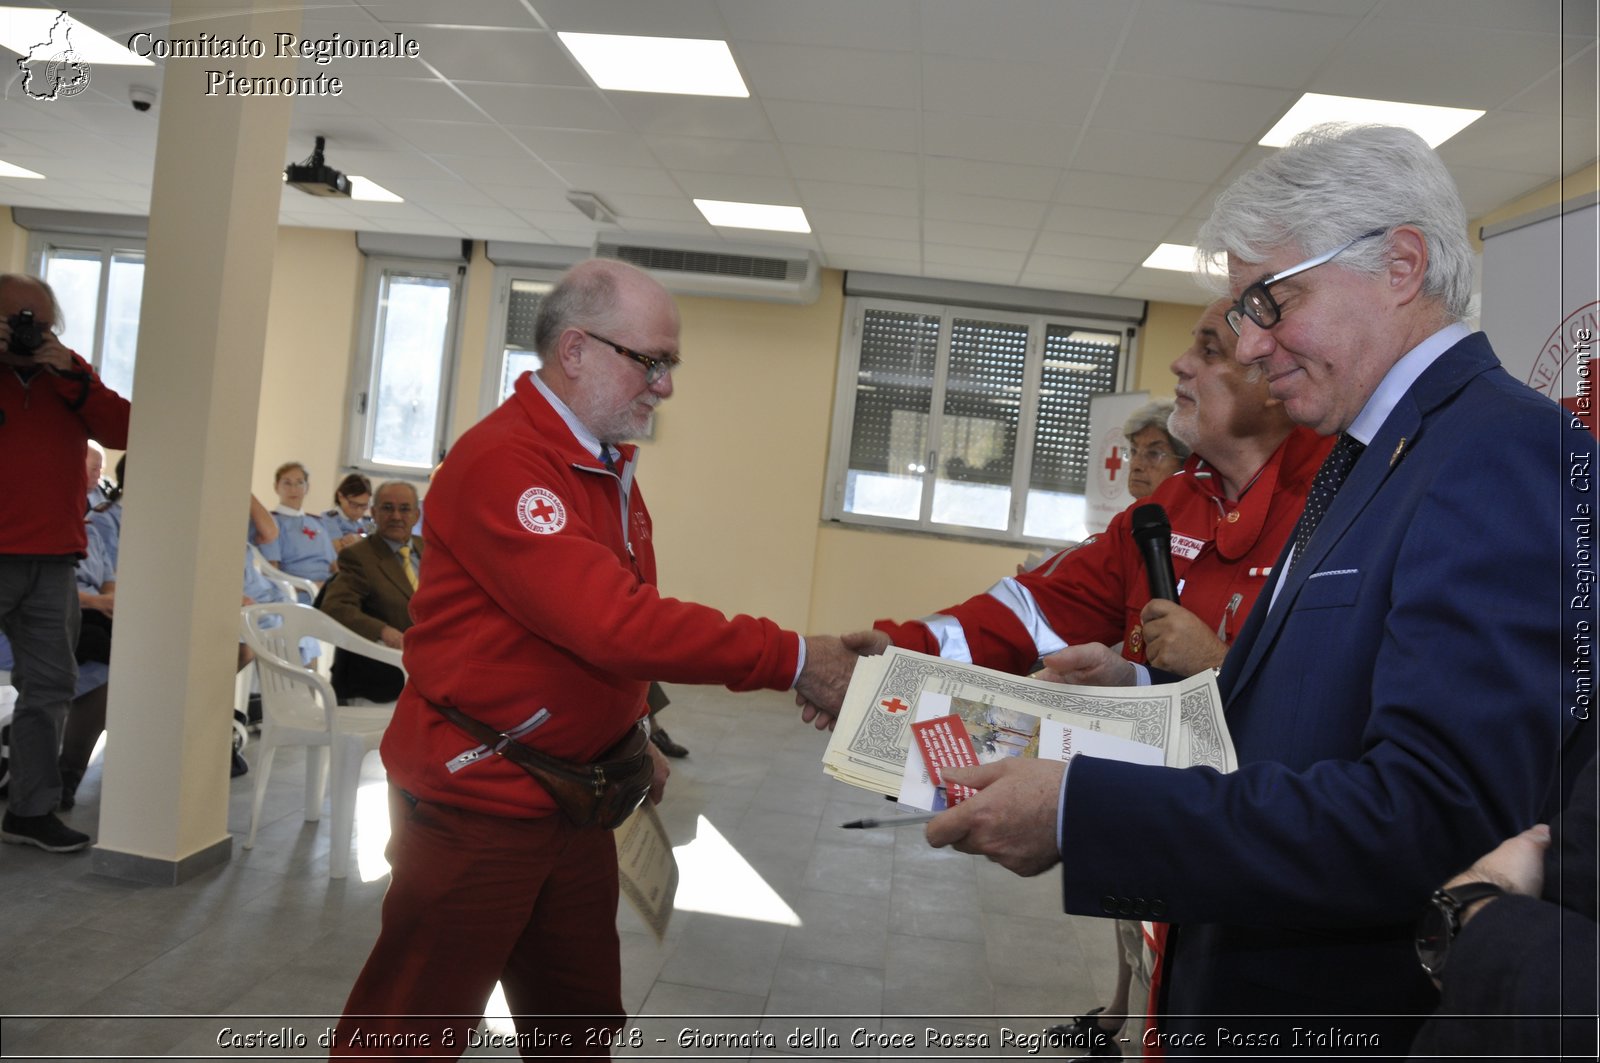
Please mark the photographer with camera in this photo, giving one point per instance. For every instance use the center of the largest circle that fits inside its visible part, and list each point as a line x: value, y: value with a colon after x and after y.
x: 51, y: 405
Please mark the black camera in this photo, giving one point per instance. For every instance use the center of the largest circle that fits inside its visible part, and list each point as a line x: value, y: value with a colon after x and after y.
x: 26, y: 335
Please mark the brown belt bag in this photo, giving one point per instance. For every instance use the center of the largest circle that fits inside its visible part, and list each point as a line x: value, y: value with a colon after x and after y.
x: 602, y: 794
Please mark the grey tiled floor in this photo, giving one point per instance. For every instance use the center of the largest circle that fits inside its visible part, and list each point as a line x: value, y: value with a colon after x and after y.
x: 875, y: 931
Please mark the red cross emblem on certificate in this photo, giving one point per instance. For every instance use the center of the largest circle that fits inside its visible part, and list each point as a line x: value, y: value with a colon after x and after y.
x: 894, y: 705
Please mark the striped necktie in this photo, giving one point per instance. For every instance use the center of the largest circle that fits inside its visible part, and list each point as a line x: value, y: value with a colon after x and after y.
x: 1340, y: 460
x: 405, y: 563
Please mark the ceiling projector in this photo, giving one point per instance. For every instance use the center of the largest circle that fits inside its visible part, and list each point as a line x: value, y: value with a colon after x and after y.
x: 316, y: 177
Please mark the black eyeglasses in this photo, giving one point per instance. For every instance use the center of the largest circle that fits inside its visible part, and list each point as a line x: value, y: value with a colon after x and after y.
x: 1257, y: 303
x: 654, y: 368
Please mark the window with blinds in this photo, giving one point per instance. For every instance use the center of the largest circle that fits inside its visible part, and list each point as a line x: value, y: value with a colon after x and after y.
x: 967, y: 422
x: 518, y: 293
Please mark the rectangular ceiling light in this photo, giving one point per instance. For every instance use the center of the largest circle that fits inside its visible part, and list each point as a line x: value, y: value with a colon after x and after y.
x: 361, y: 188
x: 9, y: 170
x: 1180, y: 258
x: 769, y: 216
x: 1433, y: 124
x: 43, y: 33
x: 679, y: 65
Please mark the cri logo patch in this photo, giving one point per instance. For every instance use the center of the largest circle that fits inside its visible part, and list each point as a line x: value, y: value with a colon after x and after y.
x: 541, y: 512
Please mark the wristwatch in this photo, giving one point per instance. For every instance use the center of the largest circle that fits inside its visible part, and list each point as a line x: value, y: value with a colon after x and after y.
x: 1441, y: 923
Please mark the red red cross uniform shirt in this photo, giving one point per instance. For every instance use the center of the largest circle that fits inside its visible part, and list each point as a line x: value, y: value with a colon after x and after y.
x: 532, y: 597
x: 1222, y: 553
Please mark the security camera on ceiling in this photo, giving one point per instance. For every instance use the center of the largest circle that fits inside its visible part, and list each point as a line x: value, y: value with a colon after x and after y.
x: 316, y: 177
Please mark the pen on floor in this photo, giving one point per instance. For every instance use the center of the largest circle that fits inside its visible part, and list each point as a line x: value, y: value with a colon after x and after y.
x: 893, y: 821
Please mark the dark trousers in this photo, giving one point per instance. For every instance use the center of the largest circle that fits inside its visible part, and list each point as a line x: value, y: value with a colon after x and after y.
x: 475, y: 899
x: 39, y: 614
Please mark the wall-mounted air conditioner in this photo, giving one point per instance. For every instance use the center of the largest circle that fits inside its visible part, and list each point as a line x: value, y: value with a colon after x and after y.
x: 731, y: 271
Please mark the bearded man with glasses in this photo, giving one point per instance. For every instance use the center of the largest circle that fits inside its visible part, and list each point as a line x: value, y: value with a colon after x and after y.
x: 1399, y: 697
x: 538, y: 629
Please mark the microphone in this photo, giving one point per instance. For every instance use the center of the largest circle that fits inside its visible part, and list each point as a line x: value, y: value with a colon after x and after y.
x: 1152, y: 533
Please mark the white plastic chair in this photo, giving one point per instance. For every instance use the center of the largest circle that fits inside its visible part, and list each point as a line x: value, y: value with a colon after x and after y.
x: 298, y: 708
x: 286, y: 583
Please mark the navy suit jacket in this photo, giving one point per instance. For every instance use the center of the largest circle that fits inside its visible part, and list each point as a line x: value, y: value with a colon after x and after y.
x: 1401, y: 708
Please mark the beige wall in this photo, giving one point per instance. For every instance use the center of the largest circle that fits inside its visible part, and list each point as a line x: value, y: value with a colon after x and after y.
x: 13, y: 245
x: 311, y: 334
x: 1165, y: 336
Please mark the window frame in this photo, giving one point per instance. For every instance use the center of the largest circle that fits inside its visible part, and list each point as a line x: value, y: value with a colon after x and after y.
x: 852, y: 333
x: 360, y: 423
x: 495, y: 349
x: 41, y: 242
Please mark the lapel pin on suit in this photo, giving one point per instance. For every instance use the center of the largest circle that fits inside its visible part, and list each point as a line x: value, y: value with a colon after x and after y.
x: 1399, y: 448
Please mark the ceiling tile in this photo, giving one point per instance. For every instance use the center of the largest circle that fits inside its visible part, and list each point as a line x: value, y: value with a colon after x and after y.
x: 523, y: 200
x: 693, y: 116
x: 738, y: 188
x: 964, y: 136
x: 468, y: 217
x: 546, y: 106
x: 518, y: 57
x: 832, y: 75
x: 1102, y: 248
x: 580, y: 145
x: 710, y: 155
x: 1433, y: 70
x: 1524, y: 142
x: 1195, y: 39
x: 857, y: 223
x: 844, y: 125
x: 635, y: 208
x: 876, y: 199
x: 995, y: 178
x: 906, y: 250
x: 984, y: 210
x: 420, y: 98
x: 1147, y: 195
x: 479, y: 171
x: 1484, y: 190
x: 1155, y: 155
x: 870, y: 263
x: 1149, y: 104
x: 659, y: 18
x: 890, y: 25
x: 1051, y: 94
x: 1077, y: 33
x: 967, y: 234
x: 456, y: 13
x: 1097, y: 221
x: 600, y: 180
x: 857, y: 165
x: 458, y: 138
x: 1076, y: 268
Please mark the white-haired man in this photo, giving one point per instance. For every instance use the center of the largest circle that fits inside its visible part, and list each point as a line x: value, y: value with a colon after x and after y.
x: 1399, y: 698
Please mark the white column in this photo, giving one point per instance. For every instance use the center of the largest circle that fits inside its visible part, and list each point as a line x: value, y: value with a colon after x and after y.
x: 208, y: 275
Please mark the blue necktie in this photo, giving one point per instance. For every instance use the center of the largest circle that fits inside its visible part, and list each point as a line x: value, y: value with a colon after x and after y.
x: 1340, y: 460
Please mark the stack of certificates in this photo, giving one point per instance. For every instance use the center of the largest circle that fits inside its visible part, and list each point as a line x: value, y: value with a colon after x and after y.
x: 1177, y: 724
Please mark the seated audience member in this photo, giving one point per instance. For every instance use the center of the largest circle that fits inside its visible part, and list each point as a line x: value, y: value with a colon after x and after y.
x: 350, y: 519
x: 372, y: 595
x: 303, y: 547
x: 86, y: 718
x: 96, y: 578
x: 105, y: 505
x: 1154, y: 453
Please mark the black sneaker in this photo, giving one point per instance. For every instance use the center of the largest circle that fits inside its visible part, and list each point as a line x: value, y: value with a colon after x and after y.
x: 238, y: 767
x: 665, y: 743
x: 46, y: 831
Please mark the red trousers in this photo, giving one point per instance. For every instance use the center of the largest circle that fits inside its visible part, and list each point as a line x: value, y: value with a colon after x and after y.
x: 475, y: 899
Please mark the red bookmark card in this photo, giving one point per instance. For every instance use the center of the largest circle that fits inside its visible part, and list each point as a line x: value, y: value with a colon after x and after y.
x: 946, y: 744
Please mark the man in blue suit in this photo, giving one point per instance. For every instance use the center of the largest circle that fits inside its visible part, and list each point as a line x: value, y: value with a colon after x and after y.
x: 1402, y: 697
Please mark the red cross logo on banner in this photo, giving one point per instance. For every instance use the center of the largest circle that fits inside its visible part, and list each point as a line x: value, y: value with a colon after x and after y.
x: 1114, y: 462
x: 894, y: 705
x: 541, y: 512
